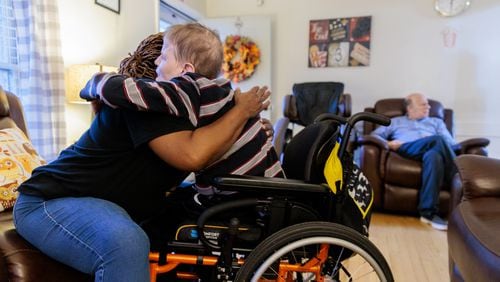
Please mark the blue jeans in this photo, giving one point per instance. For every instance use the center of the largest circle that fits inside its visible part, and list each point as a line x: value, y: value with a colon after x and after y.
x: 437, y: 168
x: 92, y: 235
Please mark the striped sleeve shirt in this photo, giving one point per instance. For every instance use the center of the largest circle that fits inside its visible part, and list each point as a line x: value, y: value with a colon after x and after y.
x: 201, y: 101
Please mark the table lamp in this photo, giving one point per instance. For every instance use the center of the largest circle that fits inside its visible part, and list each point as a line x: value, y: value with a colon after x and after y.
x: 76, y: 76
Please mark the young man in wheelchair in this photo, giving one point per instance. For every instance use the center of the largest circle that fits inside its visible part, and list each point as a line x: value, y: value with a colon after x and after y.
x: 185, y: 85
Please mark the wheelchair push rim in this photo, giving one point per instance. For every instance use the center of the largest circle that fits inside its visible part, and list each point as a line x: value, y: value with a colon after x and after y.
x: 315, y: 251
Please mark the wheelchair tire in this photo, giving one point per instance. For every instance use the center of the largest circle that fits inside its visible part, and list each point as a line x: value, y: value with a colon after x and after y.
x: 298, y: 244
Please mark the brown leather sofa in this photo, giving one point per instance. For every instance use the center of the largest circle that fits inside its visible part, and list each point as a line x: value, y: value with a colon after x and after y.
x: 395, y: 180
x: 19, y: 260
x: 474, y: 223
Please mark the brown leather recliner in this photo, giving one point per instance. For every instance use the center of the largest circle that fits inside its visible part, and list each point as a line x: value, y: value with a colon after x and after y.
x: 474, y: 223
x: 19, y: 260
x: 395, y: 180
x: 307, y: 101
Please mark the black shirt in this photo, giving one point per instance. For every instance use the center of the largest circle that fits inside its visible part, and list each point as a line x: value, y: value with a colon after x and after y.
x: 112, y: 161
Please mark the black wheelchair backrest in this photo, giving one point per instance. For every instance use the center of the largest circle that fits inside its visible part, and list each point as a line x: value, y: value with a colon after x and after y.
x: 315, y: 98
x: 306, y: 154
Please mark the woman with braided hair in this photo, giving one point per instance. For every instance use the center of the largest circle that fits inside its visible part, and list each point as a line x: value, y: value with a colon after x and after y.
x: 84, y: 208
x: 187, y: 87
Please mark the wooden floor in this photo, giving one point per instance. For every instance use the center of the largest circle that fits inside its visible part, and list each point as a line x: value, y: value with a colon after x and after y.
x: 414, y: 250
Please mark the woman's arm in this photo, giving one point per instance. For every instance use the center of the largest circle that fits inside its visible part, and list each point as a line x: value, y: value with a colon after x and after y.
x: 195, y: 150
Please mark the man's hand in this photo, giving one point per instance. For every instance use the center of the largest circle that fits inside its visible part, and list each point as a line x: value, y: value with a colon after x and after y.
x: 394, y: 144
x: 252, y: 102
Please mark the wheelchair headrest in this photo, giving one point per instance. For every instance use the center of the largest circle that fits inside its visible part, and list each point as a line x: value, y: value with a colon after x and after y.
x: 306, y: 154
x: 315, y: 98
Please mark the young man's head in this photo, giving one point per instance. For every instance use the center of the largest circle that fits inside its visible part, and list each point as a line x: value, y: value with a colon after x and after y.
x: 417, y: 106
x: 189, y: 47
x: 141, y: 64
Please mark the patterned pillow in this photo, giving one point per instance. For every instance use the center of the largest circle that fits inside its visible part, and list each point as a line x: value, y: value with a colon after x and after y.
x: 18, y: 158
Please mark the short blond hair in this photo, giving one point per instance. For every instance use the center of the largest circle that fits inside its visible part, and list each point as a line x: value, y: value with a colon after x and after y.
x: 198, y: 45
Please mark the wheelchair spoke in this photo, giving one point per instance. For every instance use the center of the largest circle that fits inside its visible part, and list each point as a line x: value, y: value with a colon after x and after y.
x: 328, y: 252
x: 362, y: 271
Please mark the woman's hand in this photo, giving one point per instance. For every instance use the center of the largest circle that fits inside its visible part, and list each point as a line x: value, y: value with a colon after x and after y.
x: 252, y: 102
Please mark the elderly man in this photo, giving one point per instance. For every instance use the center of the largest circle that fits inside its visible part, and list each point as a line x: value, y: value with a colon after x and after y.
x: 420, y: 137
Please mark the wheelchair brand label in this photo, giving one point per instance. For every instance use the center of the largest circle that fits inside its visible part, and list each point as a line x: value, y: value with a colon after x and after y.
x: 211, y: 235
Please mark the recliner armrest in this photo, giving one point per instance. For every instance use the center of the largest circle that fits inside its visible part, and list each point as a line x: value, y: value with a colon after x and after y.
x: 475, y: 146
x: 479, y: 176
x: 373, y: 140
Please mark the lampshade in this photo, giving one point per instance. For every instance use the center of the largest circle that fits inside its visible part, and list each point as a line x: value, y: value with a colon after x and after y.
x: 76, y: 76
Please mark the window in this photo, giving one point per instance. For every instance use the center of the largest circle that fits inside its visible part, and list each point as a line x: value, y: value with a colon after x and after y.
x: 170, y: 16
x: 8, y: 47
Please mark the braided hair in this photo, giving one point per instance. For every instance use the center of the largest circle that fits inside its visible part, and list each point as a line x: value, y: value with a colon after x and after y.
x: 141, y: 64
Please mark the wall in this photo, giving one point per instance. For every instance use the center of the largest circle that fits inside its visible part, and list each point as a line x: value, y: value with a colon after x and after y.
x: 91, y: 34
x: 407, y: 51
x: 407, y: 54
x: 194, y: 8
x: 258, y: 29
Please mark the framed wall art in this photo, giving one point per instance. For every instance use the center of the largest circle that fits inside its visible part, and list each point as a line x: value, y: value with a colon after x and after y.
x: 340, y: 42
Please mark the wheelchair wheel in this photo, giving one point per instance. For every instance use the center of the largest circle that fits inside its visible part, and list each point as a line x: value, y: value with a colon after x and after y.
x: 315, y: 251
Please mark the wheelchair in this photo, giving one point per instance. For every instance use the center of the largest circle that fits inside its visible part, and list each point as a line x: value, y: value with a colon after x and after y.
x: 279, y: 229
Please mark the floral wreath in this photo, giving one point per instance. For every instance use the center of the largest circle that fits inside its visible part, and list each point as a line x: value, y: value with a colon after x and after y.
x: 241, y: 57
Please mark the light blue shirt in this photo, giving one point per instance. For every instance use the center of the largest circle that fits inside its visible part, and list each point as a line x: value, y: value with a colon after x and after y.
x: 407, y: 130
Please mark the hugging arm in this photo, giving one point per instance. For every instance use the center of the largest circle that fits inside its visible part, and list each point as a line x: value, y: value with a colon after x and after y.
x: 195, y: 150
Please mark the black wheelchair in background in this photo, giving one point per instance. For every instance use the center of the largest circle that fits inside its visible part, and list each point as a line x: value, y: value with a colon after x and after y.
x: 280, y: 229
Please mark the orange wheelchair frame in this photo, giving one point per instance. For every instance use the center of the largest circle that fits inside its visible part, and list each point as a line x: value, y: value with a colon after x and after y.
x: 299, y: 209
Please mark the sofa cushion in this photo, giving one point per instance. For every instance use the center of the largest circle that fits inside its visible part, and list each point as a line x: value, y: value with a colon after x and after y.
x: 20, y: 261
x: 482, y: 218
x: 473, y: 239
x: 18, y: 158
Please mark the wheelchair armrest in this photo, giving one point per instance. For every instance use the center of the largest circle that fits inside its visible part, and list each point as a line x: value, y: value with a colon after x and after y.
x: 281, y: 135
x: 373, y: 140
x: 472, y: 146
x: 259, y: 184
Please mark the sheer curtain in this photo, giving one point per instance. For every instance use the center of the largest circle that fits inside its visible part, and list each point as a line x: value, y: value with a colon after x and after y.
x: 41, y: 74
